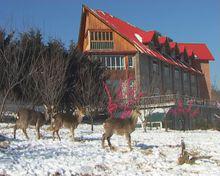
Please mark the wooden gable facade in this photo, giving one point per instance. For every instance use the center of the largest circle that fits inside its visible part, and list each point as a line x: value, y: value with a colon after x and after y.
x: 93, y: 24
x: 92, y: 27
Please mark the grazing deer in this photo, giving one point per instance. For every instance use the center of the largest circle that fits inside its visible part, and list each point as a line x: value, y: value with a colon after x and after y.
x: 70, y: 121
x: 26, y: 117
x: 120, y: 127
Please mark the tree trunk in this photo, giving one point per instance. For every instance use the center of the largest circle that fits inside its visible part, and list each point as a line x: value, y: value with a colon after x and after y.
x: 166, y: 125
x: 3, y: 104
x: 184, y: 123
x: 91, y: 122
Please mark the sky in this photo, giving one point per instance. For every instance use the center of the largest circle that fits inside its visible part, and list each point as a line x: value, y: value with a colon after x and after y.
x: 181, y: 20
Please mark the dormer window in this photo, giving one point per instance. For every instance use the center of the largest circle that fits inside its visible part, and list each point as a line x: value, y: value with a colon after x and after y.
x: 173, y: 54
x: 190, y: 62
x: 100, y: 40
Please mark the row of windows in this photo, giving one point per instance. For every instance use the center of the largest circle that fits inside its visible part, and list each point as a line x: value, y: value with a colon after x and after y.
x: 101, y: 36
x: 114, y: 62
x: 102, y: 45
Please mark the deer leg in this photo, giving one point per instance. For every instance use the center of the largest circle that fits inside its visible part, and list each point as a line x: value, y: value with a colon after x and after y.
x: 128, y: 137
x: 109, y: 143
x: 38, y: 132
x: 145, y: 126
x: 53, y: 135
x: 15, y: 128
x: 25, y: 133
x: 72, y: 132
x: 58, y: 134
x: 103, y: 140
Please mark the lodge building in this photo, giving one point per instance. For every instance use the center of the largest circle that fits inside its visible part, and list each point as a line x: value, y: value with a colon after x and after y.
x: 158, y: 64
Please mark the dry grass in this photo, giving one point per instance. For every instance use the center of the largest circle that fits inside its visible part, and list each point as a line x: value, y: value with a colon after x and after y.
x: 4, y: 144
x: 147, y: 152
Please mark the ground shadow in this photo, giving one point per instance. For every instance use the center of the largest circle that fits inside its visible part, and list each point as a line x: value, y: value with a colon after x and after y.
x: 83, y: 139
x: 145, y: 147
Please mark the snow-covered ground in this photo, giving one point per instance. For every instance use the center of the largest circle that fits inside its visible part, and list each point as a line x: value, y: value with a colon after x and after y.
x: 155, y: 152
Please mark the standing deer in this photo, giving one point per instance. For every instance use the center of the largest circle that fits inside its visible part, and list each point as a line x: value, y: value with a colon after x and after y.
x: 70, y: 121
x: 120, y: 127
x: 26, y: 117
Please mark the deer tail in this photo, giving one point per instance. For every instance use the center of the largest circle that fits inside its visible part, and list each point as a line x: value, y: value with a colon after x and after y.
x: 17, y: 115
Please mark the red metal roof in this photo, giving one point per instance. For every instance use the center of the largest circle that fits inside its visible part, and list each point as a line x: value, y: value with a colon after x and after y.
x: 162, y: 40
x: 148, y: 36
x: 136, y: 36
x: 181, y: 48
x: 189, y: 52
x: 199, y: 49
x: 172, y: 45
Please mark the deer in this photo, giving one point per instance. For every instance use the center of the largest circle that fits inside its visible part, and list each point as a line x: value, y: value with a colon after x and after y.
x: 70, y: 121
x: 120, y: 127
x: 26, y: 117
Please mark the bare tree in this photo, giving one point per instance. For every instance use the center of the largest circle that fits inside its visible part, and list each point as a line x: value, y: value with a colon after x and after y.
x: 14, y: 64
x: 87, y: 86
x: 50, y: 78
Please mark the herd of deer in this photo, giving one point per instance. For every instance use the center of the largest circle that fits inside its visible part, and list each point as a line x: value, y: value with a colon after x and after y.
x: 26, y: 117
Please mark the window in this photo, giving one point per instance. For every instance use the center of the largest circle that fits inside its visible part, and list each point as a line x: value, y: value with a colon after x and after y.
x: 103, y: 35
x: 193, y: 79
x: 111, y: 62
x: 166, y: 71
x: 185, y: 77
x: 155, y: 67
x: 177, y: 74
x: 173, y: 54
x: 177, y: 81
x: 190, y: 62
x: 130, y: 62
x: 101, y: 40
x: 107, y: 36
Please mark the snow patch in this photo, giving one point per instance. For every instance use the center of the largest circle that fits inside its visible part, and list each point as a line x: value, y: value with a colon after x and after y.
x: 102, y: 12
x: 155, y: 152
x: 138, y: 37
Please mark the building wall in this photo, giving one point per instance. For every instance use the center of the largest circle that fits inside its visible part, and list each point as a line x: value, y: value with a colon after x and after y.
x: 146, y: 77
x: 164, y: 83
x: 205, y: 81
x: 92, y: 23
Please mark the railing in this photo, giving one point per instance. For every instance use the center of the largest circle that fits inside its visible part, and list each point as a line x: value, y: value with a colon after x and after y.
x: 171, y: 99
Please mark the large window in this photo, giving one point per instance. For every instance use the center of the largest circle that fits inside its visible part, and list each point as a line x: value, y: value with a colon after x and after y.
x: 177, y: 81
x: 112, y: 62
x: 193, y: 85
x: 193, y: 79
x: 155, y: 67
x: 167, y: 79
x: 185, y: 77
x: 130, y: 62
x: 166, y: 70
x: 177, y: 74
x: 186, y: 83
x: 101, y: 40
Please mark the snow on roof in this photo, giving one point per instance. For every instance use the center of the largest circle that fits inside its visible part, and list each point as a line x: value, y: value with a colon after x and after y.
x: 136, y: 36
